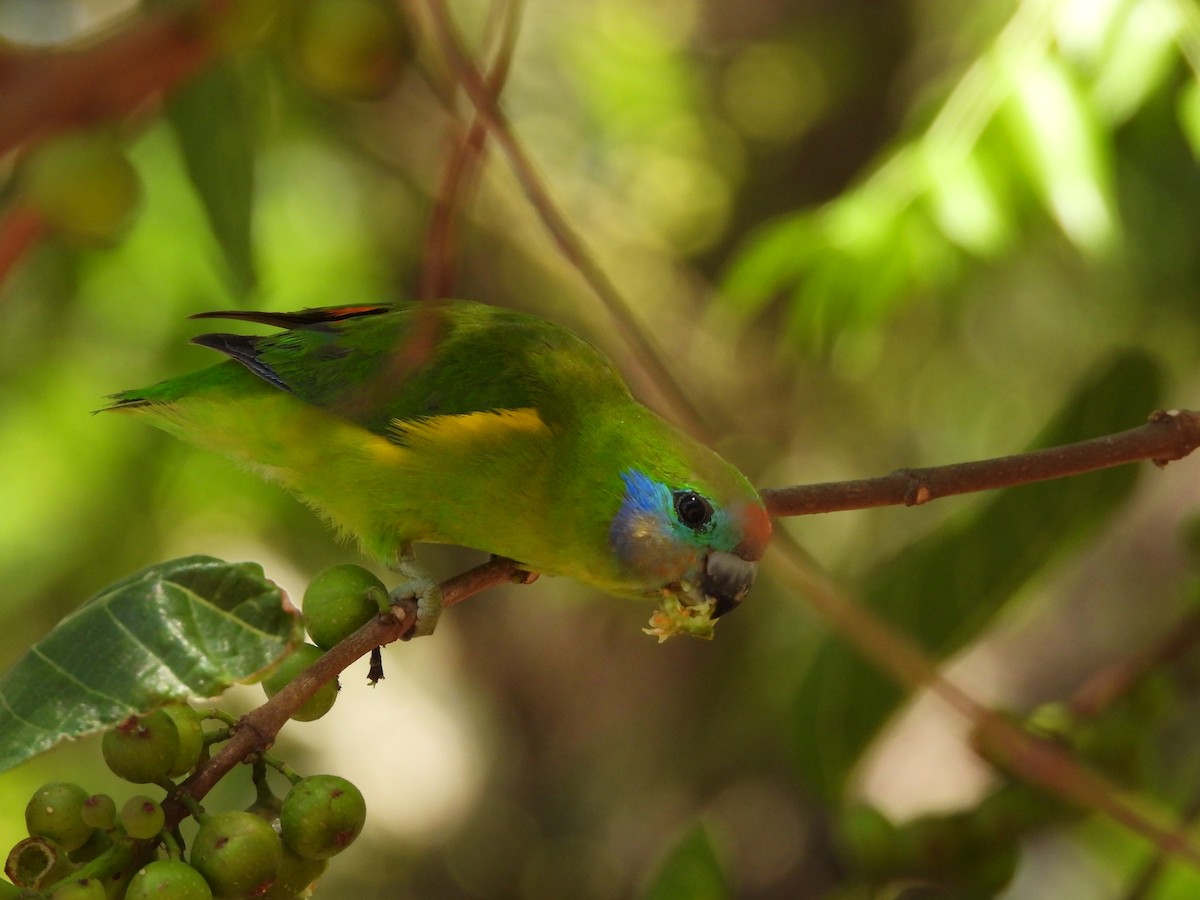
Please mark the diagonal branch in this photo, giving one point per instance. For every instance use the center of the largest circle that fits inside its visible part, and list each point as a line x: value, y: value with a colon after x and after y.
x: 1167, y: 436
x: 256, y: 731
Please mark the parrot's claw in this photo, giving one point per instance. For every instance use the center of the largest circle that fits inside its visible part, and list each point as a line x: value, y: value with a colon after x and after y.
x: 421, y: 591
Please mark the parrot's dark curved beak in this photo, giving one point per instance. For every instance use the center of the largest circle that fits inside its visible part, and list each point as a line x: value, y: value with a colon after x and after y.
x: 727, y: 580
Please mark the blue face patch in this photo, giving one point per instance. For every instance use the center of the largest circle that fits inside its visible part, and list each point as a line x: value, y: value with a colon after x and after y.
x: 641, y: 533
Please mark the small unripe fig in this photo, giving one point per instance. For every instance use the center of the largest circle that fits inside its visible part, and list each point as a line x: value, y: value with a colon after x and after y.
x: 142, y: 818
x: 142, y: 749
x: 339, y: 601
x: 82, y: 889
x: 321, y: 816
x: 36, y: 862
x: 82, y: 184
x: 168, y: 879
x: 238, y: 854
x: 291, y: 666
x: 99, y: 811
x: 191, y: 737
x: 349, y: 48
x: 55, y: 811
x: 295, y: 875
x: 866, y: 839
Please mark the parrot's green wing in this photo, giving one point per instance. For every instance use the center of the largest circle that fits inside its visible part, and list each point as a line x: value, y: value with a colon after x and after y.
x: 382, y: 365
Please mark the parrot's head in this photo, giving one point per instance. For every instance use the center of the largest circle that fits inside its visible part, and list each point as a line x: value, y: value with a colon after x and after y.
x: 695, y: 539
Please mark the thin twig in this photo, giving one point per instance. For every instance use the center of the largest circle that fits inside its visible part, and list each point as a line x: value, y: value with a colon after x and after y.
x: 1169, y: 435
x: 569, y: 244
x: 1104, y: 687
x: 462, y: 169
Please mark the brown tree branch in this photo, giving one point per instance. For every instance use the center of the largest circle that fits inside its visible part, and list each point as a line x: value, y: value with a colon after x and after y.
x: 1167, y: 436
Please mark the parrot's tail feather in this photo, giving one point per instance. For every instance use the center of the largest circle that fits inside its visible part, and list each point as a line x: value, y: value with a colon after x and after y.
x: 244, y: 349
x: 123, y: 401
x: 305, y: 318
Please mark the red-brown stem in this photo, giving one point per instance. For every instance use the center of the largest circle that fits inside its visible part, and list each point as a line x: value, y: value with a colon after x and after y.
x: 1169, y: 435
x: 459, y: 175
x: 569, y: 244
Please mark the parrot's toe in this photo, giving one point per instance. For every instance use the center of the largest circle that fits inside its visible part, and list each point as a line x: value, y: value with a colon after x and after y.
x: 419, y: 590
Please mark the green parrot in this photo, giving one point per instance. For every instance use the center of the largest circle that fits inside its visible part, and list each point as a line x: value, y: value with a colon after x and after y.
x: 510, y: 435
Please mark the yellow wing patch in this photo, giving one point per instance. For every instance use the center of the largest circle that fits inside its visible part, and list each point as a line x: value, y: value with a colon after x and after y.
x: 469, y: 428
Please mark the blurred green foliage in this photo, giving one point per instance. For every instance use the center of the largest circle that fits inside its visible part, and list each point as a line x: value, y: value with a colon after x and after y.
x: 869, y: 234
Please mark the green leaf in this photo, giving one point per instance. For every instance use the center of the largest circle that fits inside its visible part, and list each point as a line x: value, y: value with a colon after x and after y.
x: 215, y: 118
x: 945, y: 588
x: 774, y: 257
x: 965, y: 201
x: 1140, y: 55
x: 1064, y: 151
x: 690, y: 871
x: 186, y: 628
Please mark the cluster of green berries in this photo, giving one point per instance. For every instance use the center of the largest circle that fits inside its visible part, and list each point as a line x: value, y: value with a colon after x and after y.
x: 83, y: 846
x: 83, y: 184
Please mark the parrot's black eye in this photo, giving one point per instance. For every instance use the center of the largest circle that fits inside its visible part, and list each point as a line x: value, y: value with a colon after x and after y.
x: 693, y: 510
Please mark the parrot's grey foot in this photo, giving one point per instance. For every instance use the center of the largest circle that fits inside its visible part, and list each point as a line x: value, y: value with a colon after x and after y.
x: 420, y: 591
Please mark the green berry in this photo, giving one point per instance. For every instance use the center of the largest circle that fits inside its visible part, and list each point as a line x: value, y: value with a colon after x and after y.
x: 82, y: 889
x: 142, y: 818
x: 349, y: 48
x: 55, y: 811
x: 295, y: 875
x: 291, y: 666
x: 339, y: 601
x: 99, y: 811
x: 142, y: 749
x: 82, y: 184
x: 321, y: 816
x: 238, y: 854
x: 168, y: 879
x: 866, y: 839
x: 191, y: 737
x: 935, y: 845
x: 36, y: 862
x: 991, y: 870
